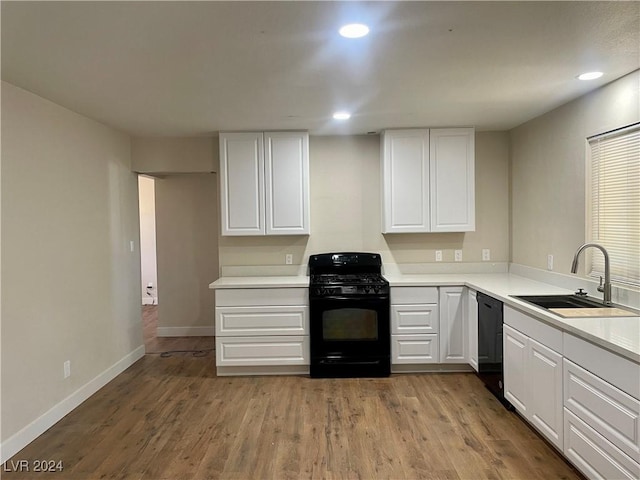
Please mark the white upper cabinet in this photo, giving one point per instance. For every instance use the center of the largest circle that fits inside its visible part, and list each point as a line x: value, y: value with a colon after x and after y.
x: 405, y: 173
x: 242, y: 183
x: 428, y: 180
x: 452, y: 180
x: 287, y: 182
x: 264, y: 183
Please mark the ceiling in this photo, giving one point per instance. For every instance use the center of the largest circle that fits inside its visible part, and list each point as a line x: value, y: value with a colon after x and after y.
x: 195, y: 68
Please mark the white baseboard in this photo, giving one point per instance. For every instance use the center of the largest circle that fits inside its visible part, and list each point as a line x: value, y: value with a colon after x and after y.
x: 149, y: 300
x: 28, y: 434
x: 186, y: 331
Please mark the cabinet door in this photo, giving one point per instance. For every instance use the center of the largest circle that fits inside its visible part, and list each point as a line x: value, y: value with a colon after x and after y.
x: 286, y: 183
x: 452, y: 180
x: 516, y: 381
x: 453, y: 332
x: 405, y: 178
x: 242, y: 184
x: 545, y: 401
x: 471, y: 314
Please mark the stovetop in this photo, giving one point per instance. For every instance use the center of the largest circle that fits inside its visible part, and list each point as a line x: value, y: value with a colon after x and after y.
x: 348, y: 285
x: 346, y: 274
x: 348, y: 279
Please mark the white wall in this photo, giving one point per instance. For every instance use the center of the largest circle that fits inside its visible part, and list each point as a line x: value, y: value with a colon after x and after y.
x: 164, y: 155
x: 187, y: 250
x: 147, y: 206
x: 345, y: 210
x: 548, y: 172
x: 70, y: 284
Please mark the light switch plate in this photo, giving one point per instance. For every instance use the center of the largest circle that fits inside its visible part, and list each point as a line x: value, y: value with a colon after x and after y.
x: 438, y: 255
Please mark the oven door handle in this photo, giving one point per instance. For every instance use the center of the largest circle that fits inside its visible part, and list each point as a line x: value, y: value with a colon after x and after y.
x: 342, y: 361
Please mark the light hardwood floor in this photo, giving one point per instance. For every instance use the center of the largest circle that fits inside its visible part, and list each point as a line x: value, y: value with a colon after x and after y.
x: 172, y: 418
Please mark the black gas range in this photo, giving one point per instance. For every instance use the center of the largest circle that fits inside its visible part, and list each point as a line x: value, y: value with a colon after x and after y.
x: 349, y: 315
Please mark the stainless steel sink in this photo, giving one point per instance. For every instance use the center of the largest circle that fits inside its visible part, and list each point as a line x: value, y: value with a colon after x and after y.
x: 560, y: 301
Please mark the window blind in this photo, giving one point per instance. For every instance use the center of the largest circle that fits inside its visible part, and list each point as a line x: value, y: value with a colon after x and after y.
x: 615, y: 203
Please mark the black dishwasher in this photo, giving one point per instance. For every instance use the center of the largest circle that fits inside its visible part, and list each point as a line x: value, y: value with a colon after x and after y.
x: 490, y: 369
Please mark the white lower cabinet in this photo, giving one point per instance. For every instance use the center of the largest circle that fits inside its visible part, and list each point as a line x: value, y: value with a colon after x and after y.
x: 266, y: 327
x: 533, y: 373
x: 602, y: 425
x: 429, y: 326
x: 415, y: 324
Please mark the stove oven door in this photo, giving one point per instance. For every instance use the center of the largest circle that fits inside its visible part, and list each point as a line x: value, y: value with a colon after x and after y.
x: 350, y: 337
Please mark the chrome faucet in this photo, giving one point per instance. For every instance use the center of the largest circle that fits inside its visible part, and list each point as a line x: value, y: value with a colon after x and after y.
x: 606, y: 287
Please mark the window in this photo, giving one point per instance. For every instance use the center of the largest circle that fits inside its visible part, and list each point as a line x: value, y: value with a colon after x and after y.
x: 614, y: 203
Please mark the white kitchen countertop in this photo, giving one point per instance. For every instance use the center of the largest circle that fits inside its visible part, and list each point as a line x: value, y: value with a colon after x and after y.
x: 293, y: 281
x: 620, y: 335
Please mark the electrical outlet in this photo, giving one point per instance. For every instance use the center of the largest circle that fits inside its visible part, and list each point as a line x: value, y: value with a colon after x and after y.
x: 67, y: 368
x: 438, y: 255
x: 486, y: 254
x: 288, y: 259
x: 458, y: 256
x: 549, y: 262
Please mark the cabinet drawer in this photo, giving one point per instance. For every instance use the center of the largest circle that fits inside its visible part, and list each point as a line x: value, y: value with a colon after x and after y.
x: 280, y: 320
x: 414, y: 319
x: 413, y: 295
x: 593, y: 454
x: 237, y: 351
x: 246, y: 297
x: 414, y: 349
x: 608, y: 410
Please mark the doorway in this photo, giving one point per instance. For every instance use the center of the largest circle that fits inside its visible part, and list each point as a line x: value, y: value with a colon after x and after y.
x: 179, y: 257
x: 148, y: 258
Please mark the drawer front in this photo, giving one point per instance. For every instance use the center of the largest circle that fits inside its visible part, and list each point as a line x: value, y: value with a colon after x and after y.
x: 534, y: 328
x: 414, y: 349
x: 238, y: 351
x: 593, y: 454
x: 414, y: 319
x: 413, y: 295
x: 247, y: 297
x: 608, y: 410
x: 246, y: 321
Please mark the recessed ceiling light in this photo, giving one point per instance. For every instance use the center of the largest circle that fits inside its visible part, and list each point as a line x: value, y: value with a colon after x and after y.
x: 354, y: 30
x: 342, y: 115
x: 590, y: 76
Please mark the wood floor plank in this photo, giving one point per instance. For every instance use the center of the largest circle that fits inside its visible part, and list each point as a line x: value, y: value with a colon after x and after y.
x: 172, y: 418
